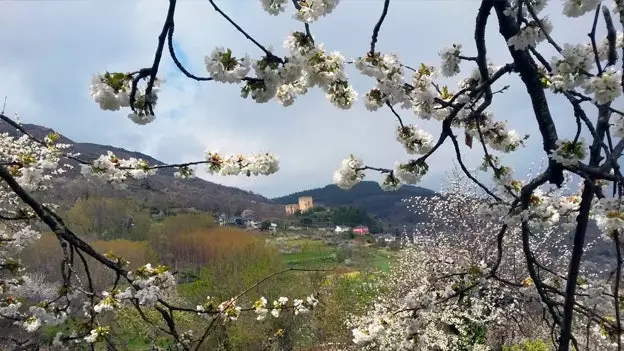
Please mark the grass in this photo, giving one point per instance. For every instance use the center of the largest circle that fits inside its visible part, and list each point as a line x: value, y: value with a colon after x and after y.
x: 318, y: 254
x: 382, y: 259
x: 312, y: 257
x: 306, y: 243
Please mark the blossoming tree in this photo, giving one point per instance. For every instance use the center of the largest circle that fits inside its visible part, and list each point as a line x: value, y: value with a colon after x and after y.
x: 585, y: 74
x: 459, y: 286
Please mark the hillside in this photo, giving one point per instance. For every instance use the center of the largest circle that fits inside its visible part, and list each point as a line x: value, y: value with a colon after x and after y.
x: 160, y: 191
x: 367, y: 195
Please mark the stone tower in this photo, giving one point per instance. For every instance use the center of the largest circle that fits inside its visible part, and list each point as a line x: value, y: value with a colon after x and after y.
x: 305, y: 203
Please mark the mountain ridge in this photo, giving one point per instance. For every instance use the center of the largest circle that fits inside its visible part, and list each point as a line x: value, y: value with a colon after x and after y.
x: 367, y: 195
x: 161, y: 190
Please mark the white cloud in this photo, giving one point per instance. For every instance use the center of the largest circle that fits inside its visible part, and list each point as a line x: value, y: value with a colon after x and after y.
x: 46, y: 70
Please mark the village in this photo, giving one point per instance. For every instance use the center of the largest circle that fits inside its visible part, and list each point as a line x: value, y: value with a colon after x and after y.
x: 308, y: 220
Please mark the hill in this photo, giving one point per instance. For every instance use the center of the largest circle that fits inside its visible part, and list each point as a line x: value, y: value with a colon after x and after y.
x: 368, y: 196
x: 160, y: 191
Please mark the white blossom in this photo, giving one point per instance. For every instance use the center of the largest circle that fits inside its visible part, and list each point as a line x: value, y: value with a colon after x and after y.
x: 350, y: 173
x: 451, y: 60
x: 606, y: 87
x: 224, y: 67
x: 274, y: 7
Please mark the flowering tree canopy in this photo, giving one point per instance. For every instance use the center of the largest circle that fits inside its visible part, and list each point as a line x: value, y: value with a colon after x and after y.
x: 529, y: 217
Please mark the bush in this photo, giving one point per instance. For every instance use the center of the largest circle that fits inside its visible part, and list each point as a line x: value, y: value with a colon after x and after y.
x: 137, y: 253
x: 344, y: 294
x: 192, y: 250
x: 235, y: 265
x: 529, y: 345
x: 162, y: 232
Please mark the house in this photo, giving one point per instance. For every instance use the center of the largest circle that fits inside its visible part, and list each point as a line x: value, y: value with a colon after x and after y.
x: 389, y: 238
x: 223, y: 219
x: 342, y: 229
x: 362, y: 230
x: 236, y: 222
x: 253, y: 224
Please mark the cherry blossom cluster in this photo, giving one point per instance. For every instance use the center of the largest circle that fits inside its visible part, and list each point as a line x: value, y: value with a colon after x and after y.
x: 428, y: 99
x: 149, y: 282
x: 307, y: 66
x: 230, y: 311
x: 32, y: 163
x: 115, y: 170
x: 408, y: 173
x: 569, y: 152
x: 609, y: 214
x: 255, y: 164
x: 299, y: 306
x: 549, y: 207
x: 111, y: 91
x: 350, y: 173
x: 415, y: 141
x: 307, y: 11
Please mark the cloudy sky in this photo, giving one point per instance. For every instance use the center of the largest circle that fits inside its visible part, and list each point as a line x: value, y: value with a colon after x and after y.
x: 50, y: 49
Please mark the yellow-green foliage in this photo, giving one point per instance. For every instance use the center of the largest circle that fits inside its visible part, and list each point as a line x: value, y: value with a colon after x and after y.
x: 138, y: 335
x: 109, y: 218
x: 182, y: 223
x: 236, y: 261
x: 343, y: 294
x: 529, y: 345
x: 137, y: 253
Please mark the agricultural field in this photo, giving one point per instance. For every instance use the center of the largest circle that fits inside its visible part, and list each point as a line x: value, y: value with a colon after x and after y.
x: 319, y: 254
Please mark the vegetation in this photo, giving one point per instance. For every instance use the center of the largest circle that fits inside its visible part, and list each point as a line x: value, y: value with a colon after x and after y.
x: 110, y: 218
x: 210, y: 260
x: 491, y: 265
x: 331, y: 217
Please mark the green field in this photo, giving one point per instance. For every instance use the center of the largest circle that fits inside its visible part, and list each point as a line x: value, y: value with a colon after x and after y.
x: 317, y: 254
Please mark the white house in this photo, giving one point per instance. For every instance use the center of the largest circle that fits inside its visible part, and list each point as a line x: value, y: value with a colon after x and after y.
x: 342, y: 229
x: 253, y: 224
x: 389, y: 238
